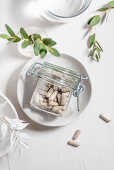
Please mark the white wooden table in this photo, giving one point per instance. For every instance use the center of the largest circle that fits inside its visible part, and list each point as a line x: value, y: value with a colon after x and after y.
x: 48, y: 146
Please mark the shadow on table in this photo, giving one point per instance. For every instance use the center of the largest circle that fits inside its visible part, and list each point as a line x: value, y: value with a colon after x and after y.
x: 25, y: 12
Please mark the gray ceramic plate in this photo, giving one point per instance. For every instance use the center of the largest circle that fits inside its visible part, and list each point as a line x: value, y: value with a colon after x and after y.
x: 26, y: 86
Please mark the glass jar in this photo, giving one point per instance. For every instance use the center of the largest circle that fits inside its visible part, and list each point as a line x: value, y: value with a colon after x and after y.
x: 55, y: 86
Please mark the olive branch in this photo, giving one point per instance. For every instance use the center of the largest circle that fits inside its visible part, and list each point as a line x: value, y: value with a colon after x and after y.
x: 40, y: 45
x: 94, y: 45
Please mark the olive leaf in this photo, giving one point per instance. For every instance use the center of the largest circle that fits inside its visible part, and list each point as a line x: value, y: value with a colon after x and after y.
x: 54, y: 51
x: 10, y: 31
x: 14, y: 39
x: 42, y: 46
x: 100, y: 48
x: 43, y: 53
x: 91, y: 53
x: 103, y: 9
x: 25, y: 44
x: 23, y: 33
x: 49, y: 42
x: 34, y: 37
x: 98, y: 52
x: 94, y: 20
x: 4, y: 36
x: 46, y: 41
x: 92, y: 39
x: 52, y: 43
x: 90, y: 20
x: 10, y: 38
x: 111, y: 3
x: 97, y: 57
x: 36, y: 48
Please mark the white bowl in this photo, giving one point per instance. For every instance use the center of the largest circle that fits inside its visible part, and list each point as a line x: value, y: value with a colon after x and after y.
x: 51, y: 16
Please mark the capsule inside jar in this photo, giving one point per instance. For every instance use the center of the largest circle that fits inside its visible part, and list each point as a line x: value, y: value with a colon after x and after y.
x: 55, y: 86
x: 51, y: 97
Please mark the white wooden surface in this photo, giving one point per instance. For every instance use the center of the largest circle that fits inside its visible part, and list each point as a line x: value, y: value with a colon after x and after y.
x: 48, y: 146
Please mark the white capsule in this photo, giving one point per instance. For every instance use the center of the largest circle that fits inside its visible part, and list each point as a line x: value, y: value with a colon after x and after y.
x: 73, y: 143
x: 49, y: 93
x: 53, y: 96
x: 52, y: 103
x: 57, y: 108
x: 105, y: 118
x: 76, y: 134
x: 65, y: 89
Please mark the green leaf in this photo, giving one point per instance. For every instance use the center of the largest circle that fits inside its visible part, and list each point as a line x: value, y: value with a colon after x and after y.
x: 94, y: 20
x: 99, y: 46
x: 90, y: 20
x: 49, y: 42
x: 40, y: 45
x: 98, y: 51
x: 111, y: 3
x: 36, y: 48
x: 4, y: 36
x: 54, y: 51
x: 23, y: 33
x: 43, y: 53
x: 91, y: 53
x: 34, y: 37
x: 10, y: 31
x: 103, y: 9
x: 25, y: 44
x: 97, y: 57
x: 14, y: 39
x: 53, y: 43
x: 91, y: 41
x: 10, y: 38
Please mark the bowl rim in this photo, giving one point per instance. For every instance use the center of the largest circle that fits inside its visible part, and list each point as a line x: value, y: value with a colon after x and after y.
x: 78, y: 13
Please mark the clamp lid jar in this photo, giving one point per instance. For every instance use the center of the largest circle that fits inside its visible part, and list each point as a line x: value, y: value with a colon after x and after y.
x: 55, y: 87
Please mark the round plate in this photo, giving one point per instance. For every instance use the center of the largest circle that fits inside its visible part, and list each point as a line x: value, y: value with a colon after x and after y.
x: 10, y: 112
x: 26, y: 86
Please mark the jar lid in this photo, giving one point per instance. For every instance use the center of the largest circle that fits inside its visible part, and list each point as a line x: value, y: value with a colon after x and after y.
x: 61, y: 70
x: 59, y: 75
x: 56, y: 74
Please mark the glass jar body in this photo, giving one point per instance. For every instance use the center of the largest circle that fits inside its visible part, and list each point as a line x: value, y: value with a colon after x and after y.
x: 51, y: 97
